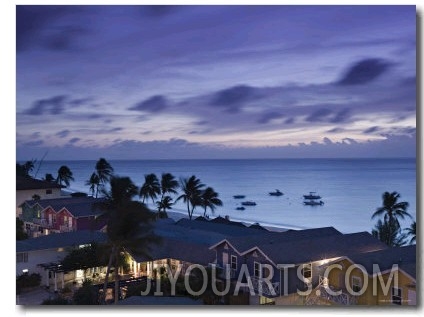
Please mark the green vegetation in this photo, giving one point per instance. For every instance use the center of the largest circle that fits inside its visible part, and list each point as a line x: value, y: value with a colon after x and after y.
x: 129, y: 225
x: 20, y: 232
x: 64, y: 176
x: 25, y: 169
x: 388, y: 230
x: 27, y: 280
x: 87, y: 294
x: 192, y: 190
x: 102, y: 174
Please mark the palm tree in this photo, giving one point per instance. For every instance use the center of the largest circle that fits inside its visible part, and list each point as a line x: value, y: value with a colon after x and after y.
x: 26, y: 168
x: 209, y: 198
x: 129, y: 225
x: 168, y: 184
x: 64, y: 175
x: 94, y: 183
x: 392, y: 209
x: 150, y: 188
x: 104, y: 170
x: 412, y: 232
x: 192, y: 191
x: 389, y: 233
x: 163, y: 205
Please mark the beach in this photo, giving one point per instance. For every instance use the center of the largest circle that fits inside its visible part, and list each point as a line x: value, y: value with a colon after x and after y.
x: 351, y: 189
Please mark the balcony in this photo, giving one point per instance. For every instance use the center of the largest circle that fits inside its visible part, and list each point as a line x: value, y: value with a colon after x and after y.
x: 66, y: 228
x: 221, y: 273
x: 261, y: 286
x: 41, y: 222
x: 330, y: 294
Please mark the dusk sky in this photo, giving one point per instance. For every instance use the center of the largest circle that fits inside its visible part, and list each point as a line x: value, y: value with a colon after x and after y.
x: 163, y: 82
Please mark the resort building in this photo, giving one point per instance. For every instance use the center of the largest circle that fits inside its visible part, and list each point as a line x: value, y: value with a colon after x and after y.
x: 45, y: 216
x: 319, y: 266
x: 27, y: 188
x: 42, y: 255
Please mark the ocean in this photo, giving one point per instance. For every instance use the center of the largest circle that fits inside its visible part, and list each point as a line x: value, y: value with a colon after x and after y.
x: 351, y: 189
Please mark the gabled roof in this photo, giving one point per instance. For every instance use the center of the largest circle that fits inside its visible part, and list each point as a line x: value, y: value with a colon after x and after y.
x: 77, y: 206
x: 309, y: 249
x: 404, y: 257
x: 168, y: 228
x: 60, y: 240
x: 26, y: 183
x: 262, y: 237
x: 180, y: 243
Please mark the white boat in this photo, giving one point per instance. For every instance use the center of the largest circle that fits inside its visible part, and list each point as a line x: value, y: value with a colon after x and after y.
x: 312, y: 195
x: 313, y: 203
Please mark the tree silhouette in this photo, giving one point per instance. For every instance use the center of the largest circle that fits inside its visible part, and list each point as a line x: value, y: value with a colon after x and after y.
x: 412, y: 232
x: 192, y: 189
x: 209, y: 199
x: 392, y: 209
x: 163, y: 205
x: 64, y: 175
x: 168, y: 184
x: 389, y: 233
x: 129, y: 225
x: 94, y: 183
x: 150, y: 188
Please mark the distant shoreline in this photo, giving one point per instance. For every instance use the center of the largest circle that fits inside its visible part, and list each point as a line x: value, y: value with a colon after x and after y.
x: 179, y: 215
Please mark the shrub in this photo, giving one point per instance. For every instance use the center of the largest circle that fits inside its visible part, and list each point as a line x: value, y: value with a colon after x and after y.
x: 27, y: 280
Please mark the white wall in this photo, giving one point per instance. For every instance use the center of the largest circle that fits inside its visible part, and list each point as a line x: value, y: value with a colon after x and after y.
x: 39, y: 257
x: 23, y: 195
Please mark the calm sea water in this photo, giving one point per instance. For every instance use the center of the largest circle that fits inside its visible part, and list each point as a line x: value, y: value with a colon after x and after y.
x: 350, y: 188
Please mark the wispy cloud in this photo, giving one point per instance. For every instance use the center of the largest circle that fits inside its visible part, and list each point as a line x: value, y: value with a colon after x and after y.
x: 232, y: 76
x: 364, y: 71
x: 54, y: 105
x: 153, y: 104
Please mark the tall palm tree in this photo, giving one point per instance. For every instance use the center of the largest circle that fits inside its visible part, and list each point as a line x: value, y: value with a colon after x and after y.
x: 209, y: 198
x: 168, y: 184
x: 64, y: 175
x: 192, y: 190
x: 104, y: 170
x: 129, y: 225
x: 163, y: 205
x: 150, y: 188
x: 392, y: 209
x: 412, y: 232
x: 94, y: 183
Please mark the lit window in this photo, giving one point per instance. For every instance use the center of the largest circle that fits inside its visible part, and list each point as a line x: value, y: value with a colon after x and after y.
x: 396, y: 296
x: 233, y: 262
